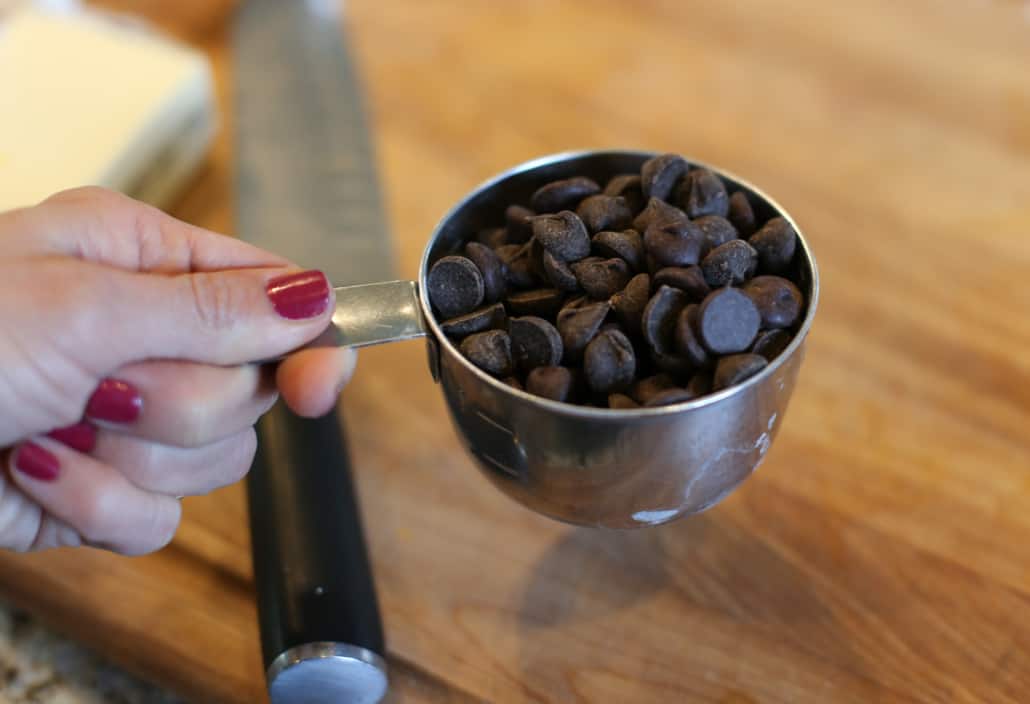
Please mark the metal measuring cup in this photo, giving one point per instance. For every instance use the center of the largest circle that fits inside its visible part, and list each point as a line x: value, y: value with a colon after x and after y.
x: 584, y: 465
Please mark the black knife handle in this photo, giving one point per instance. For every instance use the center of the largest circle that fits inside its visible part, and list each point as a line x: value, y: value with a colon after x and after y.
x: 317, y: 604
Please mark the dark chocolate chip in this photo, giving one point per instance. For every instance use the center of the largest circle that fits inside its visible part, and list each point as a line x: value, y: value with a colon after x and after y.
x: 621, y: 402
x: 495, y: 282
x: 513, y: 382
x: 562, y: 195
x: 736, y: 368
x: 542, y: 302
x: 519, y: 270
x: 492, y: 237
x: 701, y: 383
x: 770, y: 343
x: 603, y: 278
x: 628, y: 186
x: 775, y: 244
x: 659, y: 321
x: 703, y: 193
x: 578, y: 325
x: 658, y: 211
x: 727, y: 321
x: 687, y: 343
x: 660, y: 174
x: 609, y: 362
x: 559, y: 273
x: 519, y: 221
x: 455, y: 286
x: 677, y: 366
x: 778, y: 300
x: 669, y: 397
x: 626, y: 244
x: 485, y: 318
x: 674, y: 243
x: 490, y: 351
x: 563, y: 234
x: 717, y: 231
x: 730, y: 263
x: 554, y: 383
x: 534, y: 342
x: 688, y: 279
x: 603, y: 212
x: 741, y: 214
x: 645, y: 388
x: 629, y: 303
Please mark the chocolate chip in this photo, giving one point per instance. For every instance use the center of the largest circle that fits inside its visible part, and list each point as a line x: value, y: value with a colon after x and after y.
x: 727, y: 321
x: 669, y: 397
x: 554, y: 383
x: 519, y: 220
x: 519, y: 270
x: 685, y: 336
x: 578, y: 325
x: 495, y: 283
x: 455, y: 286
x: 542, y: 302
x: 717, y: 231
x: 601, y: 278
x: 645, y: 388
x: 621, y: 402
x: 626, y: 244
x: 534, y: 342
x: 492, y: 237
x: 609, y: 362
x: 658, y: 211
x: 603, y: 212
x: 630, y: 302
x: 660, y: 174
x: 778, y: 300
x: 688, y: 279
x: 660, y: 315
x: 563, y: 235
x: 703, y: 193
x: 513, y: 382
x: 559, y: 273
x: 674, y: 243
x: 490, y: 351
x: 701, y: 383
x: 485, y: 318
x: 741, y: 214
x: 770, y: 343
x: 730, y: 263
x: 562, y: 195
x: 677, y: 366
x: 736, y: 368
x: 775, y: 244
x: 627, y: 186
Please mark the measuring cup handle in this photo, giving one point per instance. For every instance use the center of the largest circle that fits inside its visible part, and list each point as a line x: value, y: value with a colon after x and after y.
x: 372, y: 314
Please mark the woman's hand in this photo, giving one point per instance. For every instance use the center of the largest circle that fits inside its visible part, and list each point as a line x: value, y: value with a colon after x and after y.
x: 126, y: 377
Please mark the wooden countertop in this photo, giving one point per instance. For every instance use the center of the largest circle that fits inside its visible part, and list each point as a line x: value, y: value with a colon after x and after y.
x: 882, y: 553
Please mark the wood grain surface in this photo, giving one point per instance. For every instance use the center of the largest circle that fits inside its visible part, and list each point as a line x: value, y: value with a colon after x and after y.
x: 882, y: 552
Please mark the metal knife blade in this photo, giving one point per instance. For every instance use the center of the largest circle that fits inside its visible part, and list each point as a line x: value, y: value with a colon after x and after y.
x: 307, y: 187
x: 307, y: 190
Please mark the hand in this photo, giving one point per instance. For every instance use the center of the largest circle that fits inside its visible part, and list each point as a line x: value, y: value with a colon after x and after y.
x: 126, y: 377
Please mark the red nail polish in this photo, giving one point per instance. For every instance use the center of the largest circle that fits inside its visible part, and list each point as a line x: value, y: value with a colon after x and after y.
x: 33, y: 460
x: 304, y: 294
x: 115, y: 401
x: 82, y: 436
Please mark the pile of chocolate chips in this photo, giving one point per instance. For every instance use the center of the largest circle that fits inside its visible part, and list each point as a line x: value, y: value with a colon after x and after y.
x: 655, y: 289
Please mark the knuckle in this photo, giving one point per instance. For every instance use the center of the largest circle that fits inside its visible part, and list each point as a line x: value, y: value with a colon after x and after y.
x: 93, y: 519
x: 164, y: 522
x: 196, y: 424
x: 214, y: 301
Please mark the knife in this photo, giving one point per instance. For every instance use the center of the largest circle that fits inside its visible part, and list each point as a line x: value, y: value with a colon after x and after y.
x: 307, y: 190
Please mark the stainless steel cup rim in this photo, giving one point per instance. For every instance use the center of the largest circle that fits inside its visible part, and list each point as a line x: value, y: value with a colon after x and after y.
x: 608, y: 413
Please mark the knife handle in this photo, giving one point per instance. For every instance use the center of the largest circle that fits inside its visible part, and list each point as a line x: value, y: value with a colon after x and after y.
x: 319, y: 616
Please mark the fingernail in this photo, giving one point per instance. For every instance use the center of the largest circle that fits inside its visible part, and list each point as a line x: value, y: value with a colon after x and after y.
x: 82, y: 436
x: 33, y: 460
x: 115, y: 401
x: 304, y: 294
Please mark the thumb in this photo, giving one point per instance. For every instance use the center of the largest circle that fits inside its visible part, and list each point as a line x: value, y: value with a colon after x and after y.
x: 224, y: 317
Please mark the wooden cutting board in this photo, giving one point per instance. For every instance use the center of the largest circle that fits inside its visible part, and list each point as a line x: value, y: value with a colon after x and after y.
x: 881, y: 552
